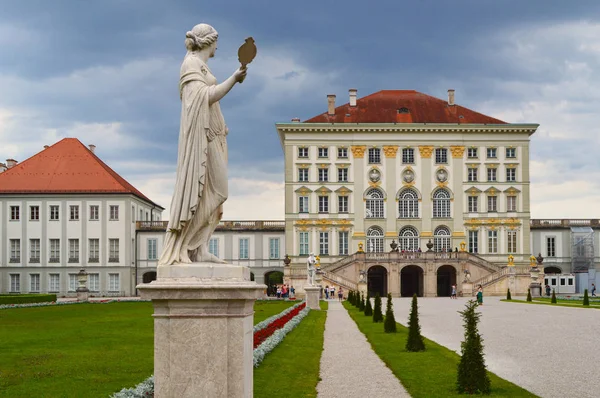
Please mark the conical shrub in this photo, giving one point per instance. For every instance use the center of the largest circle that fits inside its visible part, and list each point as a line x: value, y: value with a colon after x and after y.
x: 350, y: 293
x: 368, y: 307
x: 586, y: 299
x: 390, y: 321
x: 529, y: 295
x: 508, y: 296
x: 553, y: 299
x: 472, y: 377
x: 361, y: 305
x: 414, y: 343
x: 377, y: 315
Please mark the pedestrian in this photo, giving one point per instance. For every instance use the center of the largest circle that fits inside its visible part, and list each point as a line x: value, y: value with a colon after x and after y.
x: 593, y: 290
x: 327, y: 292
x: 547, y: 290
x: 332, y: 292
x: 278, y: 291
x: 480, y: 295
x: 453, y: 294
x: 292, y: 292
x: 340, y: 294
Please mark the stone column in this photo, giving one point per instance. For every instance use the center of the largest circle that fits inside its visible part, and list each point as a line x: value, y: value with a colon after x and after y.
x: 312, y: 297
x: 203, y: 330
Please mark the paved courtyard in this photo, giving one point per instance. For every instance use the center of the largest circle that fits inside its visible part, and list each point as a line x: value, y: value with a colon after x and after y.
x: 550, y: 351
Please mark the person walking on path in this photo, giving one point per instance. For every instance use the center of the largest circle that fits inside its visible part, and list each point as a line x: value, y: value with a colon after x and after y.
x: 593, y: 290
x: 340, y: 294
x: 480, y: 295
x: 332, y: 292
x: 327, y: 292
x: 453, y: 294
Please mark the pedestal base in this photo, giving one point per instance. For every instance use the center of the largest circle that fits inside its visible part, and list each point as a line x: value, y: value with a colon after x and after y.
x: 312, y: 297
x: 203, y: 330
x: 467, y: 289
x: 536, y: 289
x: 82, y: 294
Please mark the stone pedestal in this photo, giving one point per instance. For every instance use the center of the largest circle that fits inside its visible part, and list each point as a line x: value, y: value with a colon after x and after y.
x: 312, y: 297
x: 536, y: 289
x: 82, y: 294
x: 467, y: 289
x: 203, y: 330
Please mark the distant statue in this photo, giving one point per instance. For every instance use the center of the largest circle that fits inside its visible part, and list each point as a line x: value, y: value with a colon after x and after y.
x: 467, y: 276
x: 201, y: 183
x: 310, y: 268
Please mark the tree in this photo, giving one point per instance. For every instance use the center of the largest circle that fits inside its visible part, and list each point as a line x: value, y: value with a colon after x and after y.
x: 361, y: 305
x: 390, y: 321
x: 528, y: 294
x: 553, y: 300
x: 368, y: 307
x: 472, y: 375
x: 414, y: 343
x: 377, y: 315
x: 508, y: 296
x: 586, y: 299
x: 351, y: 297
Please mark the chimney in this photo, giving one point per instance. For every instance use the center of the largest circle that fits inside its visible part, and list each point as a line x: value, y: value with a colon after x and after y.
x: 296, y: 120
x: 331, y: 104
x: 92, y: 147
x: 2, y: 167
x: 352, y: 93
x: 10, y: 163
x: 451, y: 96
x: 46, y: 147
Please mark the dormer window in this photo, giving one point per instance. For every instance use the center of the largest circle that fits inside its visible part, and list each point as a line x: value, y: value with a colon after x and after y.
x: 403, y: 110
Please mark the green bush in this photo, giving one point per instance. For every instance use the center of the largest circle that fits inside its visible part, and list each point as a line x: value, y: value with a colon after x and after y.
x: 586, y: 299
x: 414, y: 343
x: 377, y: 315
x: 368, y: 307
x: 350, y: 293
x: 27, y: 298
x: 528, y: 294
x: 508, y: 296
x: 472, y: 376
x: 553, y: 300
x: 390, y: 321
x: 361, y: 305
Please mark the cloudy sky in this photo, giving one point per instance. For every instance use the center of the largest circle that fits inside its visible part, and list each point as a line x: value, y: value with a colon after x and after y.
x: 106, y: 72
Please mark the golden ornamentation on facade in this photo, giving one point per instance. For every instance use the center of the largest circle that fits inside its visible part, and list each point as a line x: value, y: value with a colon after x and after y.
x: 323, y: 191
x: 511, y: 164
x: 492, y: 221
x: 360, y: 247
x: 511, y: 260
x: 511, y: 191
x: 472, y: 165
x: 390, y: 151
x: 359, y: 235
x: 463, y: 246
x: 426, y: 234
x: 458, y: 234
x: 426, y: 151
x: 303, y: 165
x: 491, y: 192
x: 303, y: 191
x: 302, y: 228
x: 323, y: 165
x: 492, y: 165
x: 457, y: 151
x: 358, y: 151
x: 343, y: 191
x: 391, y: 234
x: 374, y: 184
x: 474, y: 191
x: 442, y: 185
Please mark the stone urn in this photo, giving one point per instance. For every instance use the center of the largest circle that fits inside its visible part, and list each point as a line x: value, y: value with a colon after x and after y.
x: 287, y: 260
x: 429, y: 245
x: 394, y: 246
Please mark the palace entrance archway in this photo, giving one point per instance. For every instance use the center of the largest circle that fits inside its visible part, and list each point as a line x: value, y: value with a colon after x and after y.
x: 149, y: 277
x: 411, y: 281
x: 272, y: 279
x: 446, y: 277
x: 377, y: 281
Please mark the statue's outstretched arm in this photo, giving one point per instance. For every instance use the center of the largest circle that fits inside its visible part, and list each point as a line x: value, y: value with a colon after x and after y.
x: 222, y: 89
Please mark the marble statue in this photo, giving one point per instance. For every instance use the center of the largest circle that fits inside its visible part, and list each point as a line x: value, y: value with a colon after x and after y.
x: 310, y: 267
x: 201, y: 182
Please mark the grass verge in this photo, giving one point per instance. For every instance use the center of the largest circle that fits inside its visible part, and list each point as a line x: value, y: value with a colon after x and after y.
x: 564, y: 303
x: 431, y: 373
x: 292, y: 368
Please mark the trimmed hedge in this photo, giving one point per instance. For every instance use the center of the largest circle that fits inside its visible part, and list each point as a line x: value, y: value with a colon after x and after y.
x: 27, y: 298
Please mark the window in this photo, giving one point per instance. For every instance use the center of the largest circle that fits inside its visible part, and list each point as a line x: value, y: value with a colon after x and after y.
x: 342, y: 174
x: 303, y: 174
x: 550, y: 246
x: 323, y: 174
x: 441, y: 239
x: 303, y: 152
x: 54, y: 250
x: 152, y: 243
x: 323, y: 152
x: 374, y: 240
x: 511, y: 153
x: 492, y: 242
x: 73, y: 250
x: 72, y: 282
x: 408, y: 239
x: 147, y: 216
x: 94, y: 281
x: 34, y: 283
x: 141, y: 215
x: 324, y: 243
x: 511, y: 174
x: 408, y: 155
x: 113, y: 282
x: 441, y: 204
x: 54, y: 283
x: 472, y: 204
x: 94, y: 250
x: 491, y: 174
x: 343, y: 153
x: 472, y: 153
x: 511, y: 203
x: 274, y: 248
x: 374, y: 204
x: 34, y: 213
x: 73, y: 212
x: 474, y: 242
x: 408, y: 204
x: 15, y: 283
x: 342, y: 204
x: 114, y: 213
x: 441, y: 155
x: 15, y: 251
x: 303, y: 243
x: 512, y: 241
x: 54, y: 213
x: 492, y: 204
x: 323, y: 204
x: 244, y: 244
x: 15, y: 213
x: 213, y: 247
x: 113, y: 254
x: 491, y: 153
x: 94, y: 213
x: 472, y: 174
x: 303, y: 204
x: 34, y: 250
x: 374, y: 155
x: 343, y: 243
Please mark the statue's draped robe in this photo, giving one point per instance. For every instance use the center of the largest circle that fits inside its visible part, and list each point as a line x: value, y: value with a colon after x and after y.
x: 201, y: 184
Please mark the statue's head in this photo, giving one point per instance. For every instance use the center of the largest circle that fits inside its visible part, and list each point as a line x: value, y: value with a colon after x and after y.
x: 200, y: 37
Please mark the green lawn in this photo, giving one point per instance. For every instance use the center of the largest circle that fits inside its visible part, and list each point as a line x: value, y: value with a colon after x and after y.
x: 560, y: 303
x: 82, y: 350
x: 292, y: 368
x: 424, y: 374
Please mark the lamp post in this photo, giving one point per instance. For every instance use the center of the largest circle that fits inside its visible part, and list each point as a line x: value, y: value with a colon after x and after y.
x: 82, y: 291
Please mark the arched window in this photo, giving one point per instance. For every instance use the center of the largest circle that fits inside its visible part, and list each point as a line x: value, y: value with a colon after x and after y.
x: 441, y: 239
x: 408, y: 239
x: 374, y: 240
x: 408, y: 204
x: 441, y: 204
x: 374, y: 204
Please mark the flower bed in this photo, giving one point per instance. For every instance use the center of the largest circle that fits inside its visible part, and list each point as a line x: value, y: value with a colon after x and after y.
x: 266, y: 328
x: 107, y: 301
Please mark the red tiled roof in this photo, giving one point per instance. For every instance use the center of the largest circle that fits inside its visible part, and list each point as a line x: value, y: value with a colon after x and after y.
x: 384, y: 107
x: 65, y: 167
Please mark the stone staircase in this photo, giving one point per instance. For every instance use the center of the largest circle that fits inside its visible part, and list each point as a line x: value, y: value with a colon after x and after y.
x: 498, y: 276
x: 339, y: 280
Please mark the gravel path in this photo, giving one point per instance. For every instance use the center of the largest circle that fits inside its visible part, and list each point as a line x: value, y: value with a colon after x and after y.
x: 349, y: 366
x: 550, y: 351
